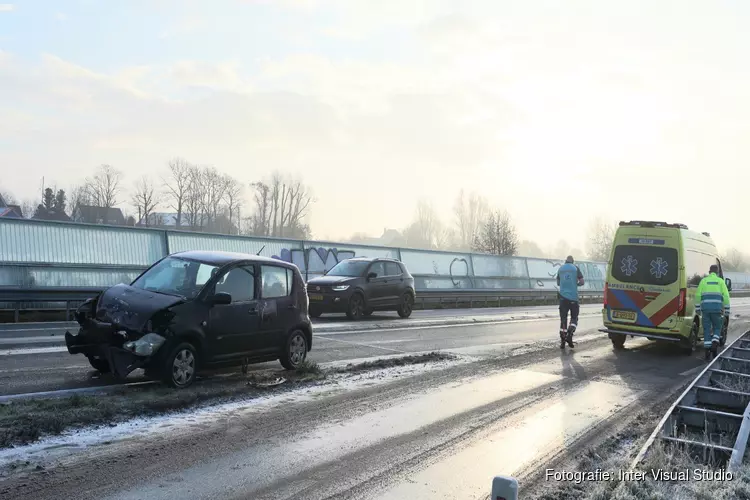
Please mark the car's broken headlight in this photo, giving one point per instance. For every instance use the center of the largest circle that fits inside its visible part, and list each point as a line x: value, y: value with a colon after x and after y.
x: 146, y: 345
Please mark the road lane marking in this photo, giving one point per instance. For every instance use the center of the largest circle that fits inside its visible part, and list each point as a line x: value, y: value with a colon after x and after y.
x: 31, y: 350
x: 359, y: 344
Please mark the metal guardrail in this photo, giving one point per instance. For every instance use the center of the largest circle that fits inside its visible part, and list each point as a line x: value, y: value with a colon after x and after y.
x: 715, y: 404
x: 29, y: 299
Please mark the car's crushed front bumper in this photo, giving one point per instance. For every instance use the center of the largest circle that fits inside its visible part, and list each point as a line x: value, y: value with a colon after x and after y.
x: 104, y: 340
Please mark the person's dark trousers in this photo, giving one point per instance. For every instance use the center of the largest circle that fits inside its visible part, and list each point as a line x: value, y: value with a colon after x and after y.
x: 568, y: 306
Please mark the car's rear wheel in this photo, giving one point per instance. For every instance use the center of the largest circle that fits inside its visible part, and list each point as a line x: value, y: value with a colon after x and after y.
x: 356, y: 308
x: 181, y: 366
x: 99, y: 364
x: 314, y: 312
x: 295, y: 350
x: 406, y: 306
x: 618, y: 340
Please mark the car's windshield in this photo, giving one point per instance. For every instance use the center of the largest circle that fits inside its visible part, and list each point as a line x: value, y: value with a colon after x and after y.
x: 351, y: 268
x: 175, y: 276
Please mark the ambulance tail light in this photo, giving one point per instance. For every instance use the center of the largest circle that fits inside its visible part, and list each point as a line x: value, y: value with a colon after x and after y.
x: 682, y: 302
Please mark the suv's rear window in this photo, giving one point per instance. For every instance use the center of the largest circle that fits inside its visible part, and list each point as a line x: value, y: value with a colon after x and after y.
x: 646, y: 265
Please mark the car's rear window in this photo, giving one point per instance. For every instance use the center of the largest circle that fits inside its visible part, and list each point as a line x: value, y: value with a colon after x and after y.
x: 645, y: 265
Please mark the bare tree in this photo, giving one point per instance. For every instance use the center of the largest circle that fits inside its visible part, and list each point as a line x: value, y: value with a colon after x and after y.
x: 177, y: 185
x: 734, y: 261
x: 233, y: 196
x: 213, y: 190
x: 144, y: 199
x: 193, y: 199
x: 498, y: 235
x: 601, y: 237
x: 280, y: 206
x: 260, y: 221
x: 79, y: 196
x: 104, y: 187
x: 426, y: 231
x: 470, y: 212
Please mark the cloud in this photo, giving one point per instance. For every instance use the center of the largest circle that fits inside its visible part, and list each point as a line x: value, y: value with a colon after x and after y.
x: 6, y: 7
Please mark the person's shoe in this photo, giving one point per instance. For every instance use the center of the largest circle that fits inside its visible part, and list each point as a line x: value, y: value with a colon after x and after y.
x: 715, y: 347
x: 569, y: 339
x: 708, y: 354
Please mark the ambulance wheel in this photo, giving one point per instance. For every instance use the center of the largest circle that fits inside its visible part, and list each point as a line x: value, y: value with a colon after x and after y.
x: 689, y: 346
x: 618, y: 340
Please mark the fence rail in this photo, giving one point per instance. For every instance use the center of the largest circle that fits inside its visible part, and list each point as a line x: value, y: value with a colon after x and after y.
x: 710, y: 419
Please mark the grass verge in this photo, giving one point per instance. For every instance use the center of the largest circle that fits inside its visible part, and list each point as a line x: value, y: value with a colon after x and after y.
x: 26, y: 421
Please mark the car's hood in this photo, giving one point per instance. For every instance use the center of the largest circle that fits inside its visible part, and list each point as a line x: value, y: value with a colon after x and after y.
x: 330, y: 280
x: 131, y: 308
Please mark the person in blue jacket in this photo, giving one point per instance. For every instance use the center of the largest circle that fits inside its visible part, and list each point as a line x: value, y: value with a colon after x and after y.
x: 569, y: 278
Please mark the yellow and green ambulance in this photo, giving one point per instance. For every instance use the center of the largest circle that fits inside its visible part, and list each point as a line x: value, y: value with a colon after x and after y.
x: 653, y: 271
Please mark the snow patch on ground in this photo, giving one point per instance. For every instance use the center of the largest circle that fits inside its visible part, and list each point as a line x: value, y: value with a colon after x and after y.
x: 70, y: 442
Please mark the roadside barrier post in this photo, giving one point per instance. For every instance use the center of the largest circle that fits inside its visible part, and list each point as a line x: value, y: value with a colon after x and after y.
x: 504, y: 488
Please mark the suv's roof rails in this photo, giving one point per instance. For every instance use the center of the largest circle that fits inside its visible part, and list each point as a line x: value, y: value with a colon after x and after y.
x: 649, y: 223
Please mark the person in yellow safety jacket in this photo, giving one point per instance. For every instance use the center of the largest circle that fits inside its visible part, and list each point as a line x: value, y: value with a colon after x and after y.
x: 712, y: 303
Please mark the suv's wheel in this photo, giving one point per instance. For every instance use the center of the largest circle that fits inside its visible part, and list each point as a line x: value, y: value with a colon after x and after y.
x: 295, y: 350
x: 314, y: 312
x: 406, y: 306
x: 180, y: 366
x: 99, y: 364
x: 618, y: 340
x: 356, y: 308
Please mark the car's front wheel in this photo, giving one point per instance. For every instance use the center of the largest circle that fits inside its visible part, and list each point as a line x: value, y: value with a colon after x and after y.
x: 295, y: 350
x: 181, y: 366
x: 356, y: 308
x: 99, y: 364
x: 406, y: 306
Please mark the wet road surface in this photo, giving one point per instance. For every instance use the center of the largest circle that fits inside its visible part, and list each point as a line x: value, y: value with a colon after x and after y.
x: 33, y: 371
x: 439, y: 435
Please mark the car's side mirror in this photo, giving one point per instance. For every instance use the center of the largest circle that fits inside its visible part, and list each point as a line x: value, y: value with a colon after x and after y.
x: 371, y: 276
x: 729, y: 283
x: 219, y: 299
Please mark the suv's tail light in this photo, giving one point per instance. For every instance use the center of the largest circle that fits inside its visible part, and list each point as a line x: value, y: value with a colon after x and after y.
x: 682, y: 302
x: 606, y: 289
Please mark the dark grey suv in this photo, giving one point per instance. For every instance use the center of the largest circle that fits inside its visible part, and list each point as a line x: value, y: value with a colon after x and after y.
x: 362, y: 285
x: 197, y: 309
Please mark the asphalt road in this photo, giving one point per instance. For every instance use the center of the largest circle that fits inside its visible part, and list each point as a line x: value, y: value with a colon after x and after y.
x: 440, y: 434
x: 23, y: 368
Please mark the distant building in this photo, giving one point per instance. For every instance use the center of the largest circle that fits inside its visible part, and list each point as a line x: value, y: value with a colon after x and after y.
x: 10, y: 211
x: 163, y: 220
x: 50, y: 214
x: 98, y: 215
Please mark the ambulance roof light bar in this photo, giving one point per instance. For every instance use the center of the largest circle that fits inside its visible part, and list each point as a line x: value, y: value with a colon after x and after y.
x: 648, y: 223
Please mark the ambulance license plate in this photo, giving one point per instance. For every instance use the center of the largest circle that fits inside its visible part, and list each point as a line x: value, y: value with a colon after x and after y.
x: 624, y: 315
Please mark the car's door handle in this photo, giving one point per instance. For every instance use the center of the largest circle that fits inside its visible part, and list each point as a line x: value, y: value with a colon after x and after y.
x: 291, y: 306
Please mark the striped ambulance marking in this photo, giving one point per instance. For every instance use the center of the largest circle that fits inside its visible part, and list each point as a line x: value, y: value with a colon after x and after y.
x: 650, y: 313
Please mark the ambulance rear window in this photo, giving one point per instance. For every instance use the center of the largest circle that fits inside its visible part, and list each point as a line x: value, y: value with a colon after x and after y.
x: 645, y: 265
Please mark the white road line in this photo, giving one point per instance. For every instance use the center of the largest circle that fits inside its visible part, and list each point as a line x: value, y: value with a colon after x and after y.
x: 359, y: 344
x: 32, y: 350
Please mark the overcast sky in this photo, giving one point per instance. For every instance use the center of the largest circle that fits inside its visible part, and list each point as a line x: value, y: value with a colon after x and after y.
x: 557, y: 111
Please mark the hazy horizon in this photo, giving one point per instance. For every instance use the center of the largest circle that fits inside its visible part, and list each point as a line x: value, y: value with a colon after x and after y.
x: 618, y: 110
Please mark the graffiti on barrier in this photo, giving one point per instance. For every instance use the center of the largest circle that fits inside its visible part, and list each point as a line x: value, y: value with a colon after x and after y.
x: 459, y: 269
x: 314, y: 260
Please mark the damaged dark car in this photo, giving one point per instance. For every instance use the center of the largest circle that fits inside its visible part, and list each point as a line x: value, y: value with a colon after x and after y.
x: 195, y: 310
